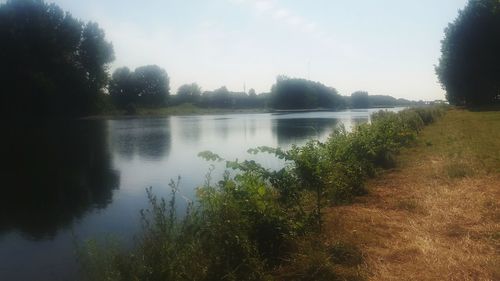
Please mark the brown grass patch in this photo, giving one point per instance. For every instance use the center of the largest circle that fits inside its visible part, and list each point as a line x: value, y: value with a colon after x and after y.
x: 437, y: 216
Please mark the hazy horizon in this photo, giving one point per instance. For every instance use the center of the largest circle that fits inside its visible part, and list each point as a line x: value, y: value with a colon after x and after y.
x: 388, y: 48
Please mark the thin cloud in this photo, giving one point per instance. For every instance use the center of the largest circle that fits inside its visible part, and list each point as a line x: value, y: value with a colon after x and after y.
x: 295, y: 21
x: 264, y: 6
x: 282, y: 15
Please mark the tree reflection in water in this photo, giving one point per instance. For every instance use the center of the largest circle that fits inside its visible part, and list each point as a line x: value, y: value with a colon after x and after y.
x: 148, y: 138
x: 52, y: 175
x: 296, y: 130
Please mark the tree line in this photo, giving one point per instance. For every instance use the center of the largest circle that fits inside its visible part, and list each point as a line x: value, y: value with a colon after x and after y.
x: 52, y: 64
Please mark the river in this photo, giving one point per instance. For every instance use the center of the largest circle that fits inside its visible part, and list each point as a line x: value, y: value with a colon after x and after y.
x: 66, y: 182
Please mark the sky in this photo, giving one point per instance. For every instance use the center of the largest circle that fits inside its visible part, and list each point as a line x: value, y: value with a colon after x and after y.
x: 380, y: 46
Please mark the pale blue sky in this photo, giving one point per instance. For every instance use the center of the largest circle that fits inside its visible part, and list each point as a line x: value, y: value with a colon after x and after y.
x: 383, y: 47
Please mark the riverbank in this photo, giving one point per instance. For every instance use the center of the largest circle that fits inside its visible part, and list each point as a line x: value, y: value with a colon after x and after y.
x: 437, y: 215
x: 179, y: 110
x: 190, y: 109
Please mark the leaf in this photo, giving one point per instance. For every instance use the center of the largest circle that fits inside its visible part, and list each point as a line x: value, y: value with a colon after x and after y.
x: 210, y: 156
x: 261, y: 190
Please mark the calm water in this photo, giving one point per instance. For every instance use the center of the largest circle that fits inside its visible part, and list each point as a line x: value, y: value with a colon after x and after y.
x: 86, y: 179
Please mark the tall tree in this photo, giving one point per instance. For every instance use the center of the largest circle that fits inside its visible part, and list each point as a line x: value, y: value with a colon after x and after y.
x: 50, y: 63
x: 152, y: 85
x: 122, y: 88
x: 146, y: 86
x: 189, y: 93
x: 360, y: 99
x: 294, y: 93
x: 469, y: 67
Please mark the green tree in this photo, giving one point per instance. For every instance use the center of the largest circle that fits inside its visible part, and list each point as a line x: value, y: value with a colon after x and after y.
x: 51, y: 64
x: 122, y: 88
x: 95, y: 53
x: 146, y: 86
x: 360, y: 99
x: 469, y: 67
x: 295, y: 93
x: 189, y: 93
x: 152, y: 85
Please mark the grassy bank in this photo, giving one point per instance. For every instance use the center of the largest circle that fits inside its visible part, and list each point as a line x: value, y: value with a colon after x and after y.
x: 183, y: 109
x: 258, y: 224
x: 437, y: 215
x: 191, y: 109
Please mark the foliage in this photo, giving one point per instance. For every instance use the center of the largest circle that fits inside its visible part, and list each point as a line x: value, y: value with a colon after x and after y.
x: 287, y: 93
x: 188, y: 93
x: 468, y: 67
x: 223, y: 98
x: 147, y: 86
x: 360, y: 99
x: 294, y: 93
x: 247, y: 224
x: 51, y: 64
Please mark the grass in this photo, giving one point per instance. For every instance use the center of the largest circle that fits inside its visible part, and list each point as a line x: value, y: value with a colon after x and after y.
x: 183, y: 109
x: 188, y: 109
x: 437, y: 215
x: 317, y: 260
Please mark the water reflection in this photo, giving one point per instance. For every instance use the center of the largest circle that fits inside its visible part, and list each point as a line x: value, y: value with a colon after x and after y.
x: 189, y: 129
x: 54, y: 174
x: 251, y: 126
x: 222, y: 127
x: 148, y: 138
x: 297, y: 130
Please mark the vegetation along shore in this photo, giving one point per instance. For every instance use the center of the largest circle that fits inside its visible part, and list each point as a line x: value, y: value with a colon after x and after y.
x: 259, y: 224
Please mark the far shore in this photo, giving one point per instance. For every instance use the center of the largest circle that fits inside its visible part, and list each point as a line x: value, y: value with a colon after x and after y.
x: 189, y: 109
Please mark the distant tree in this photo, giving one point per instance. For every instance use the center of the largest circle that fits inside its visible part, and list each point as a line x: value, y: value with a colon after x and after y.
x: 223, y: 98
x: 406, y: 102
x: 219, y: 98
x: 294, y: 93
x: 381, y: 100
x: 95, y: 53
x: 122, y: 88
x: 469, y: 67
x: 189, y: 93
x: 147, y: 86
x: 152, y: 85
x: 360, y: 99
x: 252, y: 93
x: 50, y: 63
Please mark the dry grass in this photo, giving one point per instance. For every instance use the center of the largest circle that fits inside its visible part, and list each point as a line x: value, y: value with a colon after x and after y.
x: 437, y: 216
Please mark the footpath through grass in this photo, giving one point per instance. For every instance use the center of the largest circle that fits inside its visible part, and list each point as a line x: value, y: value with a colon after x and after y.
x: 437, y: 215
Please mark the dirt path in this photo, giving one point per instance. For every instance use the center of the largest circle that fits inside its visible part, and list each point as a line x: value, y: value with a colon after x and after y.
x: 436, y: 216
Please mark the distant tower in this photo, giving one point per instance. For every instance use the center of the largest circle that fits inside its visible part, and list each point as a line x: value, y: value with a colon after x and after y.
x: 244, y: 87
